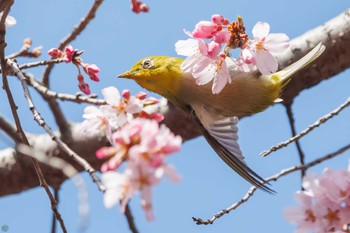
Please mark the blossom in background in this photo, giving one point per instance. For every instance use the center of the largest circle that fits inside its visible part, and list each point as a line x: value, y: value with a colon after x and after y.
x: 119, y: 110
x: 72, y: 55
x: 144, y: 146
x: 92, y: 70
x: 83, y: 86
x: 324, y: 204
x: 142, y: 140
x: 260, y: 51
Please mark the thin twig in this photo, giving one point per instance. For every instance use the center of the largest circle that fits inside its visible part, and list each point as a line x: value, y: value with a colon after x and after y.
x: 9, y: 129
x: 130, y: 219
x: 69, y: 171
x: 17, y: 121
x: 309, y: 129
x: 72, y: 35
x: 53, y: 224
x: 40, y: 63
x: 47, y: 93
x: 275, y: 177
x: 294, y: 132
x: 63, y: 146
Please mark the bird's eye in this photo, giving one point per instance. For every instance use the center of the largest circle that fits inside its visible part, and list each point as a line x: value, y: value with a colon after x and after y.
x: 147, y: 64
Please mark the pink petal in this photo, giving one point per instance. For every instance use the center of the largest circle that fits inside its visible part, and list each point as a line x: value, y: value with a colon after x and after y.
x: 277, y: 42
x: 222, y: 37
x: 221, y: 79
x: 213, y: 49
x: 248, y: 56
x: 186, y: 47
x: 171, y: 173
x: 206, y: 75
x: 266, y: 62
x: 203, y: 47
x: 261, y: 30
x: 188, y: 63
x: 111, y: 95
x: 201, y: 64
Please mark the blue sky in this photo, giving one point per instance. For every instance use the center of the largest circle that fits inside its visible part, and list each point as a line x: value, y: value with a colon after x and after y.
x: 115, y: 40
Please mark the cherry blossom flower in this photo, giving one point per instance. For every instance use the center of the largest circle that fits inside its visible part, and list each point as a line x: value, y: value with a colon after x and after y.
x: 324, y: 204
x: 140, y: 140
x: 261, y: 50
x: 204, y: 62
x: 96, y: 121
x: 205, y: 30
x: 306, y: 215
x: 118, y: 189
x: 92, y: 70
x: 69, y: 52
x: 55, y: 53
x: 144, y: 146
x: 84, y: 87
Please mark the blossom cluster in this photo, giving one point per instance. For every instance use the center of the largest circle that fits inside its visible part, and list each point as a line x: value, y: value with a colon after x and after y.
x: 324, y: 203
x: 131, y: 126
x: 144, y: 145
x: 72, y: 55
x: 119, y: 110
x: 212, y: 61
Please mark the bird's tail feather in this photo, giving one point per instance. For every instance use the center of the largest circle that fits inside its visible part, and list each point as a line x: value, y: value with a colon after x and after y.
x: 311, y: 56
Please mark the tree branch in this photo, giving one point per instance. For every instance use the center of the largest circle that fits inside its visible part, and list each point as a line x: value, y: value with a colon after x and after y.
x: 335, y: 34
x: 275, y: 177
x: 72, y: 35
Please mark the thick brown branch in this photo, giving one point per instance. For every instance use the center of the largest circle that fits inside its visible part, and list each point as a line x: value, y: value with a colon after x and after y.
x: 335, y: 34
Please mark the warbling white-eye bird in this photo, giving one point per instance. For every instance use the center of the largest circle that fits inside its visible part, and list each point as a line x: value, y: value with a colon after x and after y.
x: 217, y: 114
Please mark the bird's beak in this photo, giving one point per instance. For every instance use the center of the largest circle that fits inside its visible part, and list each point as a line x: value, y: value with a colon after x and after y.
x: 127, y: 74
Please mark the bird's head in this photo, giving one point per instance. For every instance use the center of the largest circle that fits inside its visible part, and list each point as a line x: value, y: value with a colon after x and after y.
x: 160, y: 74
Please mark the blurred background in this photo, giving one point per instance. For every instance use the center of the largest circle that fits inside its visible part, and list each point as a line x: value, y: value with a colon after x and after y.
x: 115, y: 40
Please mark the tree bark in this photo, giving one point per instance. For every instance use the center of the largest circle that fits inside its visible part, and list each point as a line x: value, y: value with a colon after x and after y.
x: 17, y: 173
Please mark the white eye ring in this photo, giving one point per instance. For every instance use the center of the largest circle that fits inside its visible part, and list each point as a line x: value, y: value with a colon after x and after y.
x: 147, y: 63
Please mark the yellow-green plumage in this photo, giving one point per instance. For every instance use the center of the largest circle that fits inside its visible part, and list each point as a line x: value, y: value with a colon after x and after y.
x: 247, y: 94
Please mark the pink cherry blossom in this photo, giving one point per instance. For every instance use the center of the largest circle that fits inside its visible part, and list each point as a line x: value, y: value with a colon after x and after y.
x: 219, y: 20
x: 69, y: 50
x: 118, y: 189
x: 144, y: 145
x: 55, y: 53
x: 306, y: 216
x: 84, y: 87
x: 96, y: 121
x: 92, y: 70
x: 205, y: 30
x: 204, y: 62
x: 261, y: 50
x: 324, y: 204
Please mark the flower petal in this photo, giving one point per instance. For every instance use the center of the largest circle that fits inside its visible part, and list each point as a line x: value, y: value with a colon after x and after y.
x: 186, y: 47
x: 111, y: 95
x: 261, y: 30
x: 266, y: 62
x: 206, y: 75
x: 221, y: 79
x: 277, y: 42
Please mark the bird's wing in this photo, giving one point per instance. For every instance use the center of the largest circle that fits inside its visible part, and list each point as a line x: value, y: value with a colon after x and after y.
x: 221, y: 134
